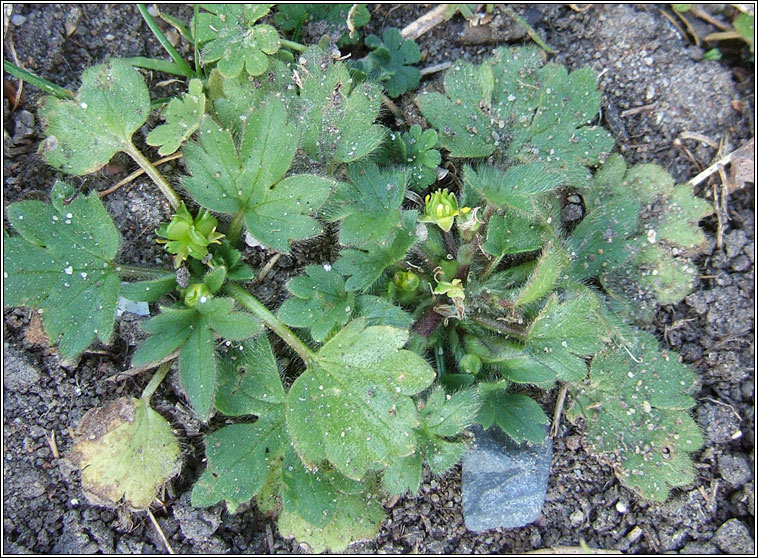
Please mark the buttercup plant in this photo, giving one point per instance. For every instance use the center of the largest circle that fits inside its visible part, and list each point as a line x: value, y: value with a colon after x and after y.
x: 483, y: 280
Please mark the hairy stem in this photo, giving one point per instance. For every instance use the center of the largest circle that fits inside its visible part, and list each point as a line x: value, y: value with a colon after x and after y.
x: 134, y: 272
x: 272, y: 322
x: 500, y: 327
x: 157, y: 177
x: 234, y: 232
x: 155, y: 381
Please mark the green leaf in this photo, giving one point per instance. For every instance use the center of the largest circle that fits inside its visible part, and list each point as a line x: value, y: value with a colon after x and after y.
x: 251, y: 179
x: 371, y: 204
x: 336, y: 113
x: 325, y: 510
x: 320, y: 302
x: 197, y: 368
x: 84, y: 134
x: 192, y: 330
x: 62, y: 264
x: 380, y: 311
x: 634, y: 410
x: 516, y: 414
x: 248, y: 379
x: 170, y: 329
x: 239, y: 457
x: 661, y: 274
x: 364, y: 267
x: 230, y: 37
x: 448, y: 416
x: 236, y: 99
x: 514, y: 107
x: 391, y: 58
x: 127, y: 451
x: 679, y: 224
x: 415, y: 150
x: 183, y: 115
x: 516, y: 188
x: 542, y: 280
x: 564, y: 333
x: 291, y: 17
x: 744, y: 24
x: 442, y: 455
x: 149, y: 291
x: 404, y: 475
x: 511, y: 234
x: 353, y: 406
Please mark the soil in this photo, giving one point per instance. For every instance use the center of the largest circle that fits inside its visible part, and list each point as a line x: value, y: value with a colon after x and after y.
x: 657, y: 87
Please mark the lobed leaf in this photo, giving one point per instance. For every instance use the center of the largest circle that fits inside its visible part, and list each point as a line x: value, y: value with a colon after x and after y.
x: 319, y: 302
x: 62, y: 264
x: 183, y: 116
x: 391, y: 58
x: 250, y: 178
x: 85, y: 133
x: 230, y: 36
x: 248, y: 379
x: 353, y: 406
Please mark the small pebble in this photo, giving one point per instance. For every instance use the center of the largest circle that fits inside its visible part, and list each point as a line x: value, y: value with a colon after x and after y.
x: 435, y: 498
x: 18, y: 19
x: 622, y: 507
x: 577, y: 518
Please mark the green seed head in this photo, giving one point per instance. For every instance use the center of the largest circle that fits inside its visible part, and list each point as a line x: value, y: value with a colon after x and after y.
x: 196, y: 292
x: 188, y: 236
x: 442, y: 208
x: 406, y: 281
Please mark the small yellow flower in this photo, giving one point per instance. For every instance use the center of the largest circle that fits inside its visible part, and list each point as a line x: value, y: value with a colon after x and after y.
x: 442, y: 208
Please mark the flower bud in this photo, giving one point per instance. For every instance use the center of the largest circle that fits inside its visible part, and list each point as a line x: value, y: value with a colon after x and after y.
x: 406, y: 281
x: 196, y: 292
x: 441, y: 208
x: 471, y: 364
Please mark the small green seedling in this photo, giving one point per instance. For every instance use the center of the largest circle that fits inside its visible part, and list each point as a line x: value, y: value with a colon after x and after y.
x: 480, y: 277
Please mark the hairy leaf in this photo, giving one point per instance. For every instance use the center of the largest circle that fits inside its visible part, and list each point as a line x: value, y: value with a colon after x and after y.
x: 85, y: 133
x: 192, y: 330
x: 320, y: 302
x: 634, y: 410
x: 248, y: 379
x: 62, y: 264
x: 390, y: 62
x: 511, y: 234
x: 352, y: 406
x: 183, y: 116
x: 364, y: 267
x: 380, y: 311
x: 239, y: 457
x: 516, y: 188
x: 231, y: 37
x: 513, y: 106
x: 415, y: 150
x: 250, y: 178
x: 371, y: 204
x: 516, y: 414
x: 337, y: 115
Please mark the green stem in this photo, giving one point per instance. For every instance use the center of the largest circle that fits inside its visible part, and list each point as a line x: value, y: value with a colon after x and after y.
x: 196, y: 12
x: 292, y: 45
x: 272, y: 322
x: 37, y: 81
x: 155, y: 381
x: 234, y: 232
x: 500, y: 327
x: 529, y: 29
x: 165, y: 43
x: 134, y: 272
x: 491, y: 266
x: 157, y: 177
x: 160, y: 66
x: 180, y: 26
x: 439, y: 359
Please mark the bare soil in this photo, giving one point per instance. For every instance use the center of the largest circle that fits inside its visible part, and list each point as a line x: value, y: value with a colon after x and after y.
x: 657, y: 87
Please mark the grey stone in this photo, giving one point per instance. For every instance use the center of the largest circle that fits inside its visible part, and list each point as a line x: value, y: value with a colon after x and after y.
x: 734, y: 469
x: 719, y: 423
x: 734, y: 241
x: 18, y: 374
x: 18, y: 20
x: 698, y: 547
x: 196, y: 524
x: 733, y: 538
x: 504, y: 483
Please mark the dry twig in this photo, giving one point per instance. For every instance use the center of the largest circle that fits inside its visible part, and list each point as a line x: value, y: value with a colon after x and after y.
x: 426, y: 22
x: 160, y: 532
x: 137, y: 173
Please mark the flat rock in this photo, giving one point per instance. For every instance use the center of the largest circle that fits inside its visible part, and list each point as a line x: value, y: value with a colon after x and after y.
x: 504, y: 483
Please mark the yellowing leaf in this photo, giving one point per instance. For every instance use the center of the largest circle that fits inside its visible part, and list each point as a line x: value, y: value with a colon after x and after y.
x: 125, y: 451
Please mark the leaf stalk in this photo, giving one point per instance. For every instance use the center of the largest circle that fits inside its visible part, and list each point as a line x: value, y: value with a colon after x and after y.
x: 272, y: 322
x: 172, y: 197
